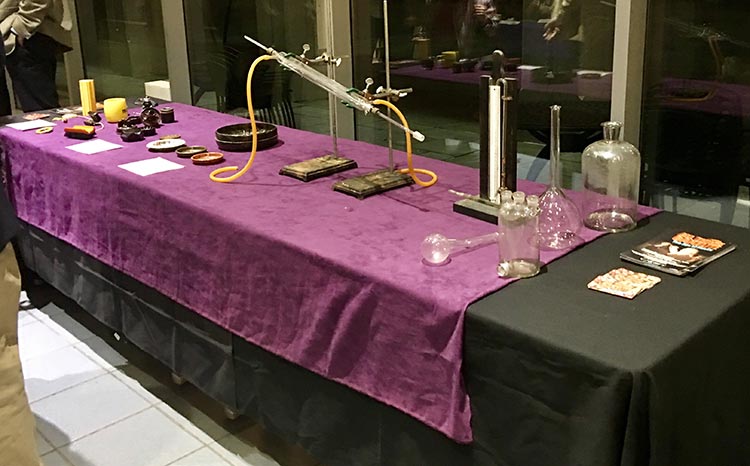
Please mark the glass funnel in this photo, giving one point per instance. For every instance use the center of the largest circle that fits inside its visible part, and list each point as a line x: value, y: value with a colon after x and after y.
x: 559, y: 219
x: 437, y: 249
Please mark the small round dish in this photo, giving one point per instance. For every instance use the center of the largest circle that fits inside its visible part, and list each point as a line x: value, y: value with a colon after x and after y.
x: 207, y: 158
x: 189, y: 151
x: 165, y: 145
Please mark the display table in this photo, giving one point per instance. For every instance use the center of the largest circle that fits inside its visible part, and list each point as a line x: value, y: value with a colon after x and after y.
x: 556, y: 373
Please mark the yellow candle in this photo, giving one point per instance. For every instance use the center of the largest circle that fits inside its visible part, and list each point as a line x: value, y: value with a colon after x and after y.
x: 115, y: 109
x: 88, y: 95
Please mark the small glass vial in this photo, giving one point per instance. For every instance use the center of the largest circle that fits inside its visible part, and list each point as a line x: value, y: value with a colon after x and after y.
x: 518, y: 229
x: 611, y: 177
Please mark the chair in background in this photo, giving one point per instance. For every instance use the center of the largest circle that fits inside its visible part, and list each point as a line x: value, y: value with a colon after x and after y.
x: 695, y: 150
x: 272, y: 97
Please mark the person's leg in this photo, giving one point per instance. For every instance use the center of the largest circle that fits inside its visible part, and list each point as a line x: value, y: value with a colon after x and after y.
x: 5, y: 107
x: 17, y: 440
x: 32, y: 69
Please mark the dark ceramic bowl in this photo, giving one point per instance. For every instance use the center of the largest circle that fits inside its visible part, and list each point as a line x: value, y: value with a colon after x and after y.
x: 239, y: 138
x: 243, y: 133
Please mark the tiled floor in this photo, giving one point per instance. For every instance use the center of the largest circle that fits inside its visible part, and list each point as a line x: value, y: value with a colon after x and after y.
x: 105, y: 403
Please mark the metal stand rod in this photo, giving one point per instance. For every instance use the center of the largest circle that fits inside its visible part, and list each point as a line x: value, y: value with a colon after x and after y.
x: 391, y: 164
x: 332, y: 107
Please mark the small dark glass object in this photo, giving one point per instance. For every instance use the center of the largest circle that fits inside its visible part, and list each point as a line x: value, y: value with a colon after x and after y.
x: 131, y: 134
x: 148, y: 131
x: 167, y: 115
x: 457, y: 67
x: 151, y: 117
x: 428, y: 63
x: 129, y: 122
x: 96, y: 117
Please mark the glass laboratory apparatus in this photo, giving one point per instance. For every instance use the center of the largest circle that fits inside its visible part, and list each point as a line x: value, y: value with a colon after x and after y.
x: 437, y: 249
x: 560, y: 219
x: 518, y: 242
x: 611, y: 176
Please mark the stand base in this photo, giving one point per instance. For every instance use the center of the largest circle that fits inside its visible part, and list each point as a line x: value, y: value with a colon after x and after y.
x: 373, y: 183
x: 482, y: 210
x: 318, y: 167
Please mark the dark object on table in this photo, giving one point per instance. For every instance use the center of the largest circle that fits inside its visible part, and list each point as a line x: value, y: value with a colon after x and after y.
x: 468, y: 65
x: 149, y: 114
x: 239, y: 137
x: 130, y: 134
x: 457, y: 67
x: 207, y: 158
x: 189, y: 151
x: 373, y: 183
x: 151, y: 117
x: 167, y: 115
x: 428, y: 63
x: 148, y: 131
x: 546, y: 75
x: 129, y: 123
x: 318, y: 167
x: 80, y: 132
x: 96, y: 117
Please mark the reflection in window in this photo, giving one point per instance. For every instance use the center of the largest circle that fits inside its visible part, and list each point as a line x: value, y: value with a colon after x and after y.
x: 440, y: 48
x: 220, y: 59
x: 696, y: 136
x: 122, y: 45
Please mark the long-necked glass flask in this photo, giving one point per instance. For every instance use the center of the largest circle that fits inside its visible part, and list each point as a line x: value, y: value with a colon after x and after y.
x: 559, y: 219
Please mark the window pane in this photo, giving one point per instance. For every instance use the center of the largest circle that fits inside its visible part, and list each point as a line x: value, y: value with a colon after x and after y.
x: 122, y: 45
x: 696, y: 108
x: 572, y: 69
x: 220, y: 59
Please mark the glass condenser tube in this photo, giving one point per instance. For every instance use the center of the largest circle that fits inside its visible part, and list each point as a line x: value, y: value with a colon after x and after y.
x: 335, y: 88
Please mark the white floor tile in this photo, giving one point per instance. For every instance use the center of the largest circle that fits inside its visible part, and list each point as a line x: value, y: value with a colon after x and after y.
x: 56, y: 371
x: 103, y: 354
x: 180, y: 420
x: 42, y: 445
x: 138, y: 387
x: 147, y: 439
x: 240, y: 453
x: 54, y: 459
x: 25, y: 318
x: 203, y: 457
x: 36, y: 339
x: 84, y: 409
x: 66, y: 326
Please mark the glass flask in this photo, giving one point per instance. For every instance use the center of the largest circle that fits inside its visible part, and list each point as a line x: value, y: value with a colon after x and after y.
x: 611, y: 176
x: 559, y: 219
x: 517, y: 241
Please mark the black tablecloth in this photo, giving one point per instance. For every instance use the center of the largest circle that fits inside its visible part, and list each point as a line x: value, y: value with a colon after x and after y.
x: 557, y: 374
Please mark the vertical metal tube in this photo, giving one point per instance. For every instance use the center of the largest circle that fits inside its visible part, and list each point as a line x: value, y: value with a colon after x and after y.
x: 332, y: 107
x: 484, y: 137
x: 387, y: 36
x: 496, y: 141
x: 509, y: 151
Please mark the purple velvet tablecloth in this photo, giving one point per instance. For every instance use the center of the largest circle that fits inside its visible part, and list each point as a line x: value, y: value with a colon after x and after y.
x: 329, y: 282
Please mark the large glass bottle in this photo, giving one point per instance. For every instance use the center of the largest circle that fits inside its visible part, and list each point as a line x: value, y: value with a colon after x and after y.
x: 611, y: 176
